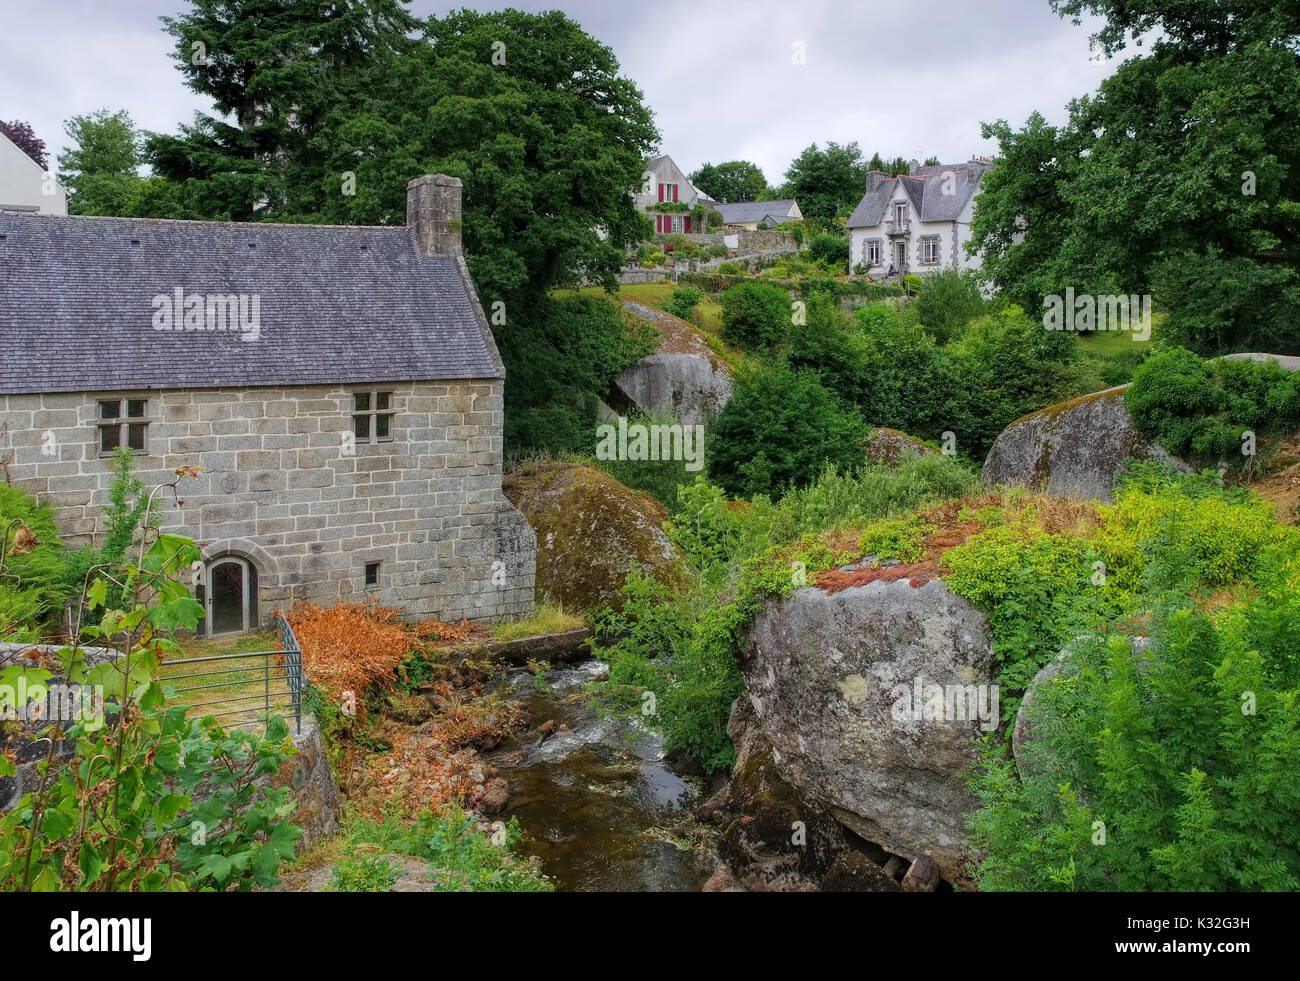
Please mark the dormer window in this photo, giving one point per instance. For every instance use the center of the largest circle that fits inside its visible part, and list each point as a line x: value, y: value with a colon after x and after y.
x: 900, y: 214
x: 667, y: 192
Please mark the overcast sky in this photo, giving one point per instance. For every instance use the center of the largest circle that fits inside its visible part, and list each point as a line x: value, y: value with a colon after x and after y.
x: 911, y: 78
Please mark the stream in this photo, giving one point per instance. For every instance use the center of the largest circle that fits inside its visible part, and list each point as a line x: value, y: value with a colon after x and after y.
x: 595, y: 799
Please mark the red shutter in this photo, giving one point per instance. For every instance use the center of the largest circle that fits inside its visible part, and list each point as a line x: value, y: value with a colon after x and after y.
x: 674, y: 194
x: 688, y: 224
x: 661, y: 192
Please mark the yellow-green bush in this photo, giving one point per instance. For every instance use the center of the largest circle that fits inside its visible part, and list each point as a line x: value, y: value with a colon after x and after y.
x: 1215, y: 539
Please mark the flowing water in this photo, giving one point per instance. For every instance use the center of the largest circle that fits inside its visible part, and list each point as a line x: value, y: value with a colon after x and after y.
x: 598, y: 804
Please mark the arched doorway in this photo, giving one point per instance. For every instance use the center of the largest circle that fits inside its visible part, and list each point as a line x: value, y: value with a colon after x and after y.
x: 230, y: 596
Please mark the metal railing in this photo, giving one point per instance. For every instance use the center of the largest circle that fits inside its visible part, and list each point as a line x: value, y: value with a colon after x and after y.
x: 284, y: 665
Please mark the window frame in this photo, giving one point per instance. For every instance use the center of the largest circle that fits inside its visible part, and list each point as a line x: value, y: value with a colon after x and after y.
x: 930, y: 250
x: 372, y: 413
x: 874, y: 252
x: 123, y: 422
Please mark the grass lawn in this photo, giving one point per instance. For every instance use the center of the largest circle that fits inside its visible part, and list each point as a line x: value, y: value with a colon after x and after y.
x: 238, y: 695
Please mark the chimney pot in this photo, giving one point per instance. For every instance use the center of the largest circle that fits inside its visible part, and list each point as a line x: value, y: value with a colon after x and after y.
x: 433, y: 214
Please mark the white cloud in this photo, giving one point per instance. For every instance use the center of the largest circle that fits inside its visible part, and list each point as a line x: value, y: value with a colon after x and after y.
x: 900, y: 77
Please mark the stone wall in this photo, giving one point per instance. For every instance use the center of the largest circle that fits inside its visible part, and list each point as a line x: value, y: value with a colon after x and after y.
x: 286, y: 487
x: 755, y: 241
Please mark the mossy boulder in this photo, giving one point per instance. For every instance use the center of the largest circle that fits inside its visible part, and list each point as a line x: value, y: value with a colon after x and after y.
x: 1075, y: 449
x: 889, y: 447
x: 592, y: 532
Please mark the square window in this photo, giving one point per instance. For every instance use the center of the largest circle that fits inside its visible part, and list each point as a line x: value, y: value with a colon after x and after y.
x: 116, y: 431
x: 372, y: 573
x: 371, y: 423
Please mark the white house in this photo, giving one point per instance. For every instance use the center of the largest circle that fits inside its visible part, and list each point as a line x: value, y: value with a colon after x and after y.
x: 24, y: 186
x: 918, y: 223
x: 666, y: 193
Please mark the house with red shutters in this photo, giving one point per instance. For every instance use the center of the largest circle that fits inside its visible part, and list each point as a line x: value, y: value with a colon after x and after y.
x: 669, y: 197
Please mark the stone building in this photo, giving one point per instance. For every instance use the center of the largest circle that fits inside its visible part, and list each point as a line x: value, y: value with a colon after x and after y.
x: 338, y: 385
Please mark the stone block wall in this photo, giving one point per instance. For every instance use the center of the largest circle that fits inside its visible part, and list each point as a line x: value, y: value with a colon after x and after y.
x: 284, y: 488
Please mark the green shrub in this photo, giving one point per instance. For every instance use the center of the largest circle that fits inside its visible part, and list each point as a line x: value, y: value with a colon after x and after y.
x: 797, y: 425
x: 755, y: 315
x: 1182, y: 760
x: 832, y: 249
x: 683, y: 302
x: 868, y: 493
x: 718, y: 251
x: 948, y: 301
x: 1200, y: 410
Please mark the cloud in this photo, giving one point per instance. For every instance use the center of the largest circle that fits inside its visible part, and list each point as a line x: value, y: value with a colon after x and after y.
x: 897, y: 76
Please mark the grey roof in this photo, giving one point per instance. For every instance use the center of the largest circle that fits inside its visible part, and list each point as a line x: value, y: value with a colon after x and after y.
x: 338, y: 304
x: 746, y: 211
x: 925, y: 190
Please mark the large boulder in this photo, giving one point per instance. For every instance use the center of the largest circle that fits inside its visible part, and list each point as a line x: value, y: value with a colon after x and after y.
x: 682, y: 380
x: 873, y: 700
x: 591, y: 532
x: 1074, y: 449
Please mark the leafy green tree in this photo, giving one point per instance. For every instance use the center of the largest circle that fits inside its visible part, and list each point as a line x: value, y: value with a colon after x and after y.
x: 1166, y: 180
x: 735, y: 180
x: 100, y: 167
x: 825, y: 181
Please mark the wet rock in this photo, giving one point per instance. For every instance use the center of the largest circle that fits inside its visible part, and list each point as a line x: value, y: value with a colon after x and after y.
x: 832, y: 684
x: 923, y: 876
x: 1075, y: 449
x: 495, y: 796
x: 591, y: 533
x: 854, y: 872
x: 778, y: 841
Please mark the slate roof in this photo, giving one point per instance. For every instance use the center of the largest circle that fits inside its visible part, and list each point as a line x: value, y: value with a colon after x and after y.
x: 925, y: 190
x: 338, y: 305
x: 746, y: 211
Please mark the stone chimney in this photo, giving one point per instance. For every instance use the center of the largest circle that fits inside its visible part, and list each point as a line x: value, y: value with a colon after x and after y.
x: 913, y: 165
x: 433, y: 213
x: 874, y: 179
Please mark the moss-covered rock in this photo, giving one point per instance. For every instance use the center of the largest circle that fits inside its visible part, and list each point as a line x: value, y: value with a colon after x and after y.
x: 890, y: 447
x: 592, y: 532
x: 1075, y: 449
